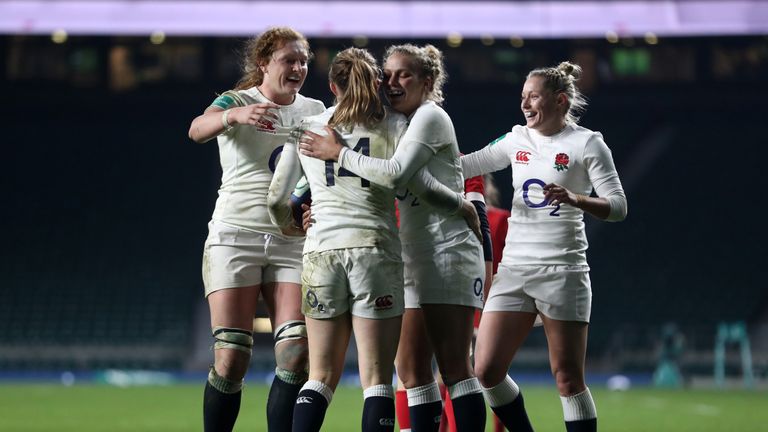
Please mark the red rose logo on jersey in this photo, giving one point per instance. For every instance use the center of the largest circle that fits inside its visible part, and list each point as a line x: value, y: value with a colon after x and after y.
x: 561, y: 161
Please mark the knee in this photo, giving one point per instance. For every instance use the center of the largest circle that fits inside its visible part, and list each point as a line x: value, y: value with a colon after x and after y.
x: 414, y: 373
x: 291, y: 350
x: 488, y: 374
x: 232, y: 352
x: 570, y: 381
x: 292, y: 355
x: 231, y: 364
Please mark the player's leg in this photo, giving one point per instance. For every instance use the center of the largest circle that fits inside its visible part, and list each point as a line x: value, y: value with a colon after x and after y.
x: 450, y: 331
x: 325, y: 304
x: 232, y: 312
x: 328, y: 341
x: 567, y: 342
x: 283, y: 301
x: 414, y: 369
x: 498, y: 339
x: 377, y: 341
x: 564, y: 297
x: 232, y: 271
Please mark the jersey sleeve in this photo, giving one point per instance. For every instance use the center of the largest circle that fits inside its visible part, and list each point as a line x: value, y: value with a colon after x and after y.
x: 228, y: 99
x: 474, y: 189
x: 493, y: 157
x: 392, y: 173
x: 604, y: 177
x: 287, y: 175
x: 425, y: 186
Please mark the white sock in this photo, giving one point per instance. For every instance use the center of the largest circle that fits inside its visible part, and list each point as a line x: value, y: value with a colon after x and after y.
x: 424, y: 394
x: 502, y: 393
x: 579, y: 406
x: 463, y: 388
x: 319, y: 387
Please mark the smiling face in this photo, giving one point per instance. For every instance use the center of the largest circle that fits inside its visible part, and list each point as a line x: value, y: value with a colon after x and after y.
x: 285, y: 73
x: 544, y: 111
x: 403, y: 86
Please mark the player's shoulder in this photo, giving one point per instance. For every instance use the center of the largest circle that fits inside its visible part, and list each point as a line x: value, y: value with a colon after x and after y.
x: 230, y: 99
x: 309, y: 104
x: 394, y: 119
x: 582, y: 133
x: 317, y: 121
x: 430, y: 113
x: 517, y: 131
x: 579, y: 135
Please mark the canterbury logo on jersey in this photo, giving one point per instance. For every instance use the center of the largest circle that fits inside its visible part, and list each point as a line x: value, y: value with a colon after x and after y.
x: 521, y: 157
x: 266, y: 127
x: 303, y: 399
x: 386, y: 422
x: 383, y: 302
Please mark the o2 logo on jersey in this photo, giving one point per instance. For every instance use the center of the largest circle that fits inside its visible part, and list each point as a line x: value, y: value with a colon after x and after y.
x: 526, y: 188
x: 405, y: 195
x: 274, y: 158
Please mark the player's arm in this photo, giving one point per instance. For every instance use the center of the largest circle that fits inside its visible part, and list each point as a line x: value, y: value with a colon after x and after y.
x: 227, y: 111
x: 393, y: 173
x: 425, y: 186
x: 474, y: 189
x: 287, y: 174
x: 610, y: 204
x: 493, y: 157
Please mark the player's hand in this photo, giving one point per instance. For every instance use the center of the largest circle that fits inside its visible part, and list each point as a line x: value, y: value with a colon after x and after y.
x: 307, y: 220
x: 293, y: 231
x: 262, y: 115
x: 556, y: 194
x: 324, y: 147
x: 469, y: 213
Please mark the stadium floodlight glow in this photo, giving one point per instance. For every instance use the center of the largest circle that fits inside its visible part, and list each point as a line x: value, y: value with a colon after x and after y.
x: 454, y: 39
x: 380, y: 19
x: 157, y: 37
x: 59, y: 36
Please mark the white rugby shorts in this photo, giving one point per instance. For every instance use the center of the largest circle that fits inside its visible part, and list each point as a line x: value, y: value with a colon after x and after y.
x: 450, y: 272
x: 561, y: 292
x: 366, y: 281
x: 235, y: 257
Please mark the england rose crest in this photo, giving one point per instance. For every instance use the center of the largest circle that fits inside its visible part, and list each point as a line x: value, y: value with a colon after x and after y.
x: 561, y: 161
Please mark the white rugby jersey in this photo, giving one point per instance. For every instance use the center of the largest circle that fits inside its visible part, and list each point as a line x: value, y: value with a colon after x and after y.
x: 429, y: 128
x: 348, y: 211
x: 575, y: 158
x: 249, y: 155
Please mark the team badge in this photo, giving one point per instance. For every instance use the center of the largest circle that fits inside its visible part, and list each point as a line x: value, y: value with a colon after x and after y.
x: 561, y: 162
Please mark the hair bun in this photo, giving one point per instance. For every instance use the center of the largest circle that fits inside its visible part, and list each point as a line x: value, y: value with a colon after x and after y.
x: 570, y: 69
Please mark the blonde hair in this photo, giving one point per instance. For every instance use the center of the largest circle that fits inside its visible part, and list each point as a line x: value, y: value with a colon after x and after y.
x: 355, y: 73
x: 259, y: 50
x: 562, y: 79
x: 427, y: 62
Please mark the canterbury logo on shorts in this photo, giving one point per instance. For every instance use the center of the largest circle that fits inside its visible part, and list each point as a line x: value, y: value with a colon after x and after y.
x: 383, y: 302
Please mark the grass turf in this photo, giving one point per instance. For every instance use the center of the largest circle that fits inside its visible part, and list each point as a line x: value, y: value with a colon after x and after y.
x: 86, y: 408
